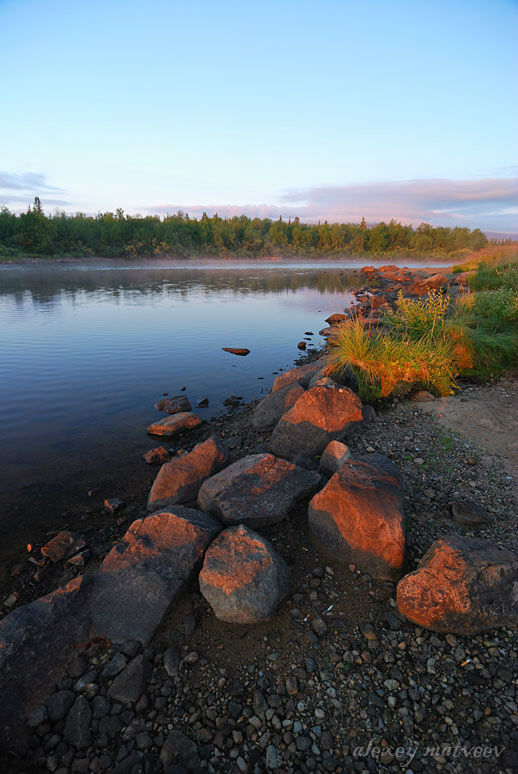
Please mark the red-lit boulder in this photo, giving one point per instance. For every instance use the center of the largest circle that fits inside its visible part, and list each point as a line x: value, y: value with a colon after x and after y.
x: 146, y: 571
x: 336, y: 319
x: 368, y: 271
x: 243, y: 578
x: 268, y: 412
x: 320, y: 415
x: 175, y: 424
x: 63, y: 545
x: 359, y: 516
x: 462, y: 585
x: 179, y: 481
x: 300, y: 375
x: 174, y: 405
x: 333, y: 456
x: 257, y: 490
x: 424, y: 286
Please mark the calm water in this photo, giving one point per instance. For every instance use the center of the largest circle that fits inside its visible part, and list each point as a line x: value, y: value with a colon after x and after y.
x: 85, y: 353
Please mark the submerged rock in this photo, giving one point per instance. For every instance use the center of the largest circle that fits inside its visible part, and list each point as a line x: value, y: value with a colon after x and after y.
x: 319, y: 416
x: 359, y: 516
x: 243, y: 578
x: 257, y: 490
x: 179, y: 481
x: 268, y: 412
x: 157, y: 455
x: 236, y: 350
x: 463, y: 586
x: 174, y: 405
x: 171, y: 426
x: 146, y: 571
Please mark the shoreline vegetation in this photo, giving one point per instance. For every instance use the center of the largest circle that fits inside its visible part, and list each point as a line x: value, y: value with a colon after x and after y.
x: 119, y: 235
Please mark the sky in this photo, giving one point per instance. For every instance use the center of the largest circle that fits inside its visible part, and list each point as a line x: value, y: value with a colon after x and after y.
x: 325, y: 109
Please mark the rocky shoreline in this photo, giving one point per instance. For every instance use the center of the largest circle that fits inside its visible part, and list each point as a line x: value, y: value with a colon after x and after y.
x: 340, y: 677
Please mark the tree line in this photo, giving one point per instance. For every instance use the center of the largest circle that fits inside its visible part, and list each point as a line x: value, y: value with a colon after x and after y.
x: 117, y: 234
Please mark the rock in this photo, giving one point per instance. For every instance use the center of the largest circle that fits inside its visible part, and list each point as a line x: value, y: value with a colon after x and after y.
x: 63, y: 545
x: 268, y: 412
x: 179, y: 481
x: 113, y: 504
x: 174, y: 405
x: 114, y: 666
x: 37, y: 717
x: 394, y: 274
x: 146, y: 571
x: 469, y: 513
x: 301, y: 345
x: 368, y: 270
x: 336, y: 319
x: 334, y: 455
x: 203, y: 402
x: 157, y: 456
x: 257, y: 490
x: 77, y: 724
x: 331, y: 330
x: 243, y: 578
x: 300, y: 375
x: 424, y: 286
x: 465, y: 277
x: 236, y: 351
x: 58, y: 704
x: 130, y: 684
x: 179, y: 749
x: 319, y: 416
x: 171, y: 426
x: 359, y: 516
x: 422, y: 396
x: 35, y: 643
x: 462, y: 586
x: 171, y: 660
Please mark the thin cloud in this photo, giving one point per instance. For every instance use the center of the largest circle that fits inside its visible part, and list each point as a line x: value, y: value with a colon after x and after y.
x: 26, y: 181
x: 489, y: 203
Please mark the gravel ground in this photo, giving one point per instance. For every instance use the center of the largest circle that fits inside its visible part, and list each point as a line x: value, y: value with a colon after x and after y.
x: 336, y: 681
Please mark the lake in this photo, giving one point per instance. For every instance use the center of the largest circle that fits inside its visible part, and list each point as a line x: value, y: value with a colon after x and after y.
x: 86, y: 351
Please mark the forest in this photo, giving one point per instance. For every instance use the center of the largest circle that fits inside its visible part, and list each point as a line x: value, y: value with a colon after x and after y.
x: 117, y: 234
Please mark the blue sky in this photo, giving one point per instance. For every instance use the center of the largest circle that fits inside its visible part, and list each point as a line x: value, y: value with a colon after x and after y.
x: 333, y: 108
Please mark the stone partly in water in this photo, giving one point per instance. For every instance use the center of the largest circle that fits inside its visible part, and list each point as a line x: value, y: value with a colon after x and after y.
x: 236, y: 350
x: 157, y: 456
x: 336, y: 319
x: 174, y: 405
x: 35, y: 641
x: 146, y: 571
x: 300, y: 375
x: 334, y: 455
x: 463, y: 586
x: 319, y: 416
x: 268, y: 412
x: 174, y: 425
x: 243, y: 578
x: 359, y: 516
x: 179, y: 481
x: 63, y: 545
x: 257, y: 490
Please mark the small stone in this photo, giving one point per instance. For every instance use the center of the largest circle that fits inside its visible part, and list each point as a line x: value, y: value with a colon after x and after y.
x: 113, y: 504
x: 130, y: 684
x: 156, y: 456
x: 271, y: 760
x: 77, y: 725
x: 319, y: 626
x: 171, y: 660
x: 58, y: 704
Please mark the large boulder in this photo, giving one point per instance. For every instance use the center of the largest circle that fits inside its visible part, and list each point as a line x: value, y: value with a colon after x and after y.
x: 462, y: 585
x: 146, y: 571
x: 35, y: 642
x: 268, y: 412
x: 175, y: 424
x: 300, y: 375
x: 359, y: 516
x: 179, y: 481
x: 257, y: 490
x: 319, y: 416
x: 243, y: 578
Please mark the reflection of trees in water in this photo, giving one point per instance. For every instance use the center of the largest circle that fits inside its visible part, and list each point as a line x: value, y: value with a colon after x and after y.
x: 46, y: 287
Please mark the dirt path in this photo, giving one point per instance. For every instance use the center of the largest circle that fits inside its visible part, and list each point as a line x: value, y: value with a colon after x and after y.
x: 488, y: 416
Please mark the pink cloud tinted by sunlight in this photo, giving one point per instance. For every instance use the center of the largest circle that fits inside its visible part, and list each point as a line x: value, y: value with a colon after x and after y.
x: 490, y: 203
